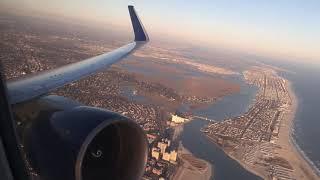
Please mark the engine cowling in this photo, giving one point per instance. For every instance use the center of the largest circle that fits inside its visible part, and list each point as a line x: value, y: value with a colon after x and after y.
x: 85, y: 143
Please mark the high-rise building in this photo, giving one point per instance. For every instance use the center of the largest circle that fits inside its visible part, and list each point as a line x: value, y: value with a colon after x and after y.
x: 166, y: 156
x: 168, y: 142
x: 155, y: 153
x: 162, y: 146
x: 173, y: 156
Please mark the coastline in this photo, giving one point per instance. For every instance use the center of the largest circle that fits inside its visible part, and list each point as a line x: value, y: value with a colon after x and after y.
x: 291, y: 141
x: 288, y: 144
x: 278, y: 157
x: 248, y: 168
x: 301, y: 164
x: 303, y: 167
x: 284, y: 148
x: 188, y: 170
x: 191, y: 167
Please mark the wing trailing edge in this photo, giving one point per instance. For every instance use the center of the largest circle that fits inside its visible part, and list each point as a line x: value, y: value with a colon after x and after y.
x: 35, y: 85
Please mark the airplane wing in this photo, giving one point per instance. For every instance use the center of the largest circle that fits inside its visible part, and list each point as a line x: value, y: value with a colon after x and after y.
x: 41, y: 83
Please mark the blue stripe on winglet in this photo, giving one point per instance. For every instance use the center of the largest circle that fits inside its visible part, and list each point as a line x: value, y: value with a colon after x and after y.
x: 139, y: 32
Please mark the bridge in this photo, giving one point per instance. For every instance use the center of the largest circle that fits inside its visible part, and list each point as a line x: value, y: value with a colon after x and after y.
x: 204, y: 118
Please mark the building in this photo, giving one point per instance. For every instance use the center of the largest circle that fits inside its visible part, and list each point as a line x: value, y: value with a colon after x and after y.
x: 173, y: 156
x: 177, y: 119
x: 155, y: 153
x: 163, y: 146
x: 166, y: 156
x: 168, y: 142
x: 275, y: 131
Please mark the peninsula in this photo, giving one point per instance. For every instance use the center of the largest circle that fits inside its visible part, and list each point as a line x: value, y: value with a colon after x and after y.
x: 260, y: 140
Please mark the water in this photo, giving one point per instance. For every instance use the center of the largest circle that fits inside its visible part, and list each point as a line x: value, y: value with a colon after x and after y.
x: 306, y: 84
x: 231, y: 105
x: 224, y: 167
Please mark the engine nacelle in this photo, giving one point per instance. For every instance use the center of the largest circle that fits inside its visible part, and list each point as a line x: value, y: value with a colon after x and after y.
x: 85, y: 143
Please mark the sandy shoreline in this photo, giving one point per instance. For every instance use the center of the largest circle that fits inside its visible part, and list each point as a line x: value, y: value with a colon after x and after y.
x: 302, y: 167
x: 283, y: 147
x: 286, y: 148
x: 304, y: 170
x: 192, y: 168
x: 288, y: 130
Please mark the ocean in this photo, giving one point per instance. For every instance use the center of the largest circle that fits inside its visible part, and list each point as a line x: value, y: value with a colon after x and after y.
x: 306, y: 85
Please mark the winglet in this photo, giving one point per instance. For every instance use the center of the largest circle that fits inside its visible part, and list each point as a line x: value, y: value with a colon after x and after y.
x: 140, y: 33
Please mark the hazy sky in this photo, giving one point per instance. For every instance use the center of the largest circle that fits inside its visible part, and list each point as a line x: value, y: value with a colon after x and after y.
x: 273, y: 27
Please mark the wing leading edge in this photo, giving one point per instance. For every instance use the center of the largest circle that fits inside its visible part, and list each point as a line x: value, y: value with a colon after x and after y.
x: 39, y: 84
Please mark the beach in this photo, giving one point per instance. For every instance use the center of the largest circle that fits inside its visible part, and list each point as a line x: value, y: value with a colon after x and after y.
x: 261, y: 138
x: 189, y: 167
x: 277, y: 157
x: 285, y: 147
x: 302, y: 169
x: 192, y: 168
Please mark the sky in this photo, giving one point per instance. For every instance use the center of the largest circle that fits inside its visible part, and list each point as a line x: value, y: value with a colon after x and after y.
x: 286, y: 28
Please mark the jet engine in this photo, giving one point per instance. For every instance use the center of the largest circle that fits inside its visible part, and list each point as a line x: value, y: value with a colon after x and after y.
x: 82, y: 143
